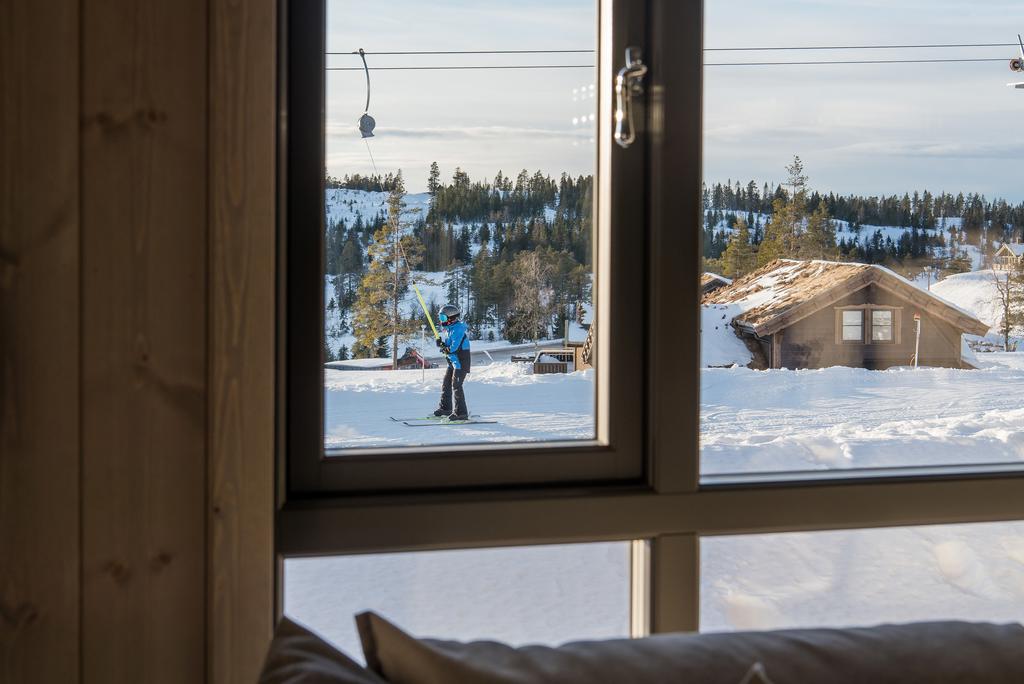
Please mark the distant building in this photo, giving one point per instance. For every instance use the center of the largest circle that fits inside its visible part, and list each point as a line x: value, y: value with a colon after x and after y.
x: 579, y: 337
x: 709, y: 282
x: 815, y: 314
x: 411, y: 359
x: 1009, y: 257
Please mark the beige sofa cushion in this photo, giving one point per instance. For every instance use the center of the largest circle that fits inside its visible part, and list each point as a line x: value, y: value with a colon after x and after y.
x: 297, y: 656
x: 934, y: 652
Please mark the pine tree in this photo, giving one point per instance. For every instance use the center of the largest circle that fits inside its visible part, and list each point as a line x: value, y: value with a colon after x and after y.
x: 393, y: 254
x: 739, y: 258
x: 818, y: 240
x: 328, y: 354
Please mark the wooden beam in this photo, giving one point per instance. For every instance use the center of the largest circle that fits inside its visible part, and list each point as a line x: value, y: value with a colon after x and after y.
x: 242, y: 331
x: 144, y: 239
x: 39, y: 335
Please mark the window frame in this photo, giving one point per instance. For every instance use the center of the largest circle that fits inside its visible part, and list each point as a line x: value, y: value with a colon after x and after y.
x: 616, y: 453
x: 668, y: 510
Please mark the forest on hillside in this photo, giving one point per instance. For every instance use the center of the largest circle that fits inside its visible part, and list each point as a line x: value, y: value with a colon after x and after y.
x: 516, y: 252
x: 935, y: 226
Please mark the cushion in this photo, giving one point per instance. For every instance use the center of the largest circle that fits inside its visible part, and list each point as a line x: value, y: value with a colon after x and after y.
x: 933, y: 652
x: 297, y: 656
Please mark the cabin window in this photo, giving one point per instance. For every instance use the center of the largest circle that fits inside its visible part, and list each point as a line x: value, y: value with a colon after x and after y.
x: 881, y: 325
x: 853, y: 325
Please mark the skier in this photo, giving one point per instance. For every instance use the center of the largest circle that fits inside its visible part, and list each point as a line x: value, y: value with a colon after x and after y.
x: 454, y: 342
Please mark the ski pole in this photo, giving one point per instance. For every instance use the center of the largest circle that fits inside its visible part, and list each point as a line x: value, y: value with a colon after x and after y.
x: 423, y: 305
x: 419, y: 296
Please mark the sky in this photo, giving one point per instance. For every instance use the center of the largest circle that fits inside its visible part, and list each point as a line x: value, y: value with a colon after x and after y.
x: 866, y: 129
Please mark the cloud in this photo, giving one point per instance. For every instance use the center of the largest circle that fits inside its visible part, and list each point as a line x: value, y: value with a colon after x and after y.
x: 936, y: 149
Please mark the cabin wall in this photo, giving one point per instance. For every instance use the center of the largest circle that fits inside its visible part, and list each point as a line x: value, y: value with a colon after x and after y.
x: 136, y: 340
x: 811, y: 342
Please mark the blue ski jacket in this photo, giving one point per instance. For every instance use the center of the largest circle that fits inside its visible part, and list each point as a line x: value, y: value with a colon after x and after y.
x: 456, y: 336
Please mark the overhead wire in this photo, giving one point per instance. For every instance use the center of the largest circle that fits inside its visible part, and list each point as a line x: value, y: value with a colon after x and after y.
x: 765, y: 48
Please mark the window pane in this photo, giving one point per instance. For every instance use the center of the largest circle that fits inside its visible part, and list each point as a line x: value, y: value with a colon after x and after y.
x: 863, y: 577
x: 852, y: 317
x: 853, y: 326
x: 475, y: 191
x: 881, y: 325
x: 844, y: 195
x: 520, y: 595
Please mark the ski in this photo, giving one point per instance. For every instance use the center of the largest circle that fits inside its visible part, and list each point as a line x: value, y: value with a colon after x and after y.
x: 430, y: 418
x: 445, y: 421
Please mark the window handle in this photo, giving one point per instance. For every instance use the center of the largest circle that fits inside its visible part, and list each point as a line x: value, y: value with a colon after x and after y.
x: 628, y: 84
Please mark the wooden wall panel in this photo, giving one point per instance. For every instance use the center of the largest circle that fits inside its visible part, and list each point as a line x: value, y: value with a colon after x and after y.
x: 242, y: 222
x: 144, y: 337
x: 39, y: 427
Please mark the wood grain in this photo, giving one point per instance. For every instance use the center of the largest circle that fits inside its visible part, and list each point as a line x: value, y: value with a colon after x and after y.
x: 39, y: 427
x: 242, y: 260
x: 144, y: 241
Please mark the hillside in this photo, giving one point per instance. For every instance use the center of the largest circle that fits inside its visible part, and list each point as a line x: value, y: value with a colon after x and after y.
x: 976, y: 292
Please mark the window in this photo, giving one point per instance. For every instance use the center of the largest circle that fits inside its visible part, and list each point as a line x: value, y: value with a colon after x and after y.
x: 881, y: 325
x: 520, y: 595
x: 863, y: 577
x: 843, y: 255
x: 853, y: 326
x: 481, y: 178
x: 686, y: 459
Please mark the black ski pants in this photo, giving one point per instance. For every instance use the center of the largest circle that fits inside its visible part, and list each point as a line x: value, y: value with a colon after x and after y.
x: 452, y: 385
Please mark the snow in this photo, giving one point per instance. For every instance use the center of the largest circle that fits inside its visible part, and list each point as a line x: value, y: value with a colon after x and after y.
x: 528, y: 408
x: 863, y: 577
x: 344, y: 204
x: 520, y: 595
x: 751, y: 421
x: 781, y: 420
x: 975, y: 292
x: 719, y: 344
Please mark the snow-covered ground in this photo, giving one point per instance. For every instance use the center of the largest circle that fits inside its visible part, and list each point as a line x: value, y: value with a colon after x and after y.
x: 863, y: 577
x: 528, y: 407
x: 750, y: 421
x: 777, y: 420
x: 976, y: 292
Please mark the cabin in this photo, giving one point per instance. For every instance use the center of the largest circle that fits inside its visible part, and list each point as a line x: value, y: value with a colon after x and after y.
x: 1009, y: 257
x: 709, y: 282
x: 579, y: 337
x: 815, y: 314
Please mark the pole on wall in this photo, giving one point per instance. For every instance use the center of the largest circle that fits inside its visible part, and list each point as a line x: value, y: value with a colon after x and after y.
x: 917, y: 337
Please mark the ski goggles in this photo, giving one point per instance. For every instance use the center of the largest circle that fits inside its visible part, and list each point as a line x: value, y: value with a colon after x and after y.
x: 443, y: 318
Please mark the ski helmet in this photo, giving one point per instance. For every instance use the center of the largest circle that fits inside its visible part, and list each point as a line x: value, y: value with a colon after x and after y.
x: 449, y: 314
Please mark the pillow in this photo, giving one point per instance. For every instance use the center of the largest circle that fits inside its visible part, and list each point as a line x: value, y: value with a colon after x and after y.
x: 936, y: 653
x: 297, y: 656
x: 756, y: 675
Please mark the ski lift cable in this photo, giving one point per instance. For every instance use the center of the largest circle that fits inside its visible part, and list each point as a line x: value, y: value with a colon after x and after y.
x: 362, y: 54
x: 762, y: 48
x: 707, y: 64
x: 405, y: 257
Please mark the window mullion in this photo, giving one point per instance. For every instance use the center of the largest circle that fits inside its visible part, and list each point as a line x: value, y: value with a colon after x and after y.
x: 674, y: 583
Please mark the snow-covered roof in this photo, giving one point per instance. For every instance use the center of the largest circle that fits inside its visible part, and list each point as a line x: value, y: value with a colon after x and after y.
x: 785, y: 291
x: 712, y: 281
x: 1016, y: 248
